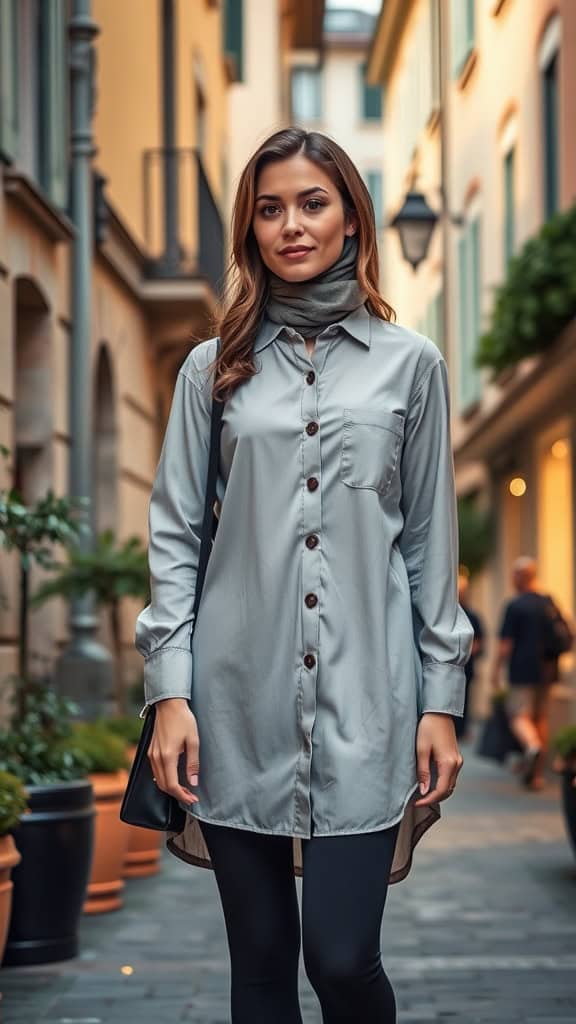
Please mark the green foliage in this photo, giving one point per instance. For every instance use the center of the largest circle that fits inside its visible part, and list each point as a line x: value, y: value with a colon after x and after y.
x: 31, y: 528
x: 37, y: 744
x: 537, y: 299
x: 475, y: 534
x: 564, y: 741
x: 128, y: 727
x: 110, y: 571
x: 104, y: 751
x: 13, y: 801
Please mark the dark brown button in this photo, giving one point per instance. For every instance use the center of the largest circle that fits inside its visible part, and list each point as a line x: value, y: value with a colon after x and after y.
x: 310, y: 377
x: 312, y: 483
x: 311, y: 540
x: 311, y: 600
x: 312, y: 427
x: 309, y: 660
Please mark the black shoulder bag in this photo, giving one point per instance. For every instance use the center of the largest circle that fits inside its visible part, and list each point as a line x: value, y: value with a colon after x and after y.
x: 144, y: 804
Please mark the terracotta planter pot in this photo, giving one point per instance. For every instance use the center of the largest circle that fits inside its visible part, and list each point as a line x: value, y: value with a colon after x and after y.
x: 144, y: 847
x: 9, y: 858
x: 142, y: 853
x: 110, y: 841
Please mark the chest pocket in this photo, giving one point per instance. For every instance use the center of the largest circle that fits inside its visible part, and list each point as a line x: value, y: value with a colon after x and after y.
x: 371, y: 443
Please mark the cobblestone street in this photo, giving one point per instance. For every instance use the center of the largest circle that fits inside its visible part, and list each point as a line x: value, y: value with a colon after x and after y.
x: 483, y: 930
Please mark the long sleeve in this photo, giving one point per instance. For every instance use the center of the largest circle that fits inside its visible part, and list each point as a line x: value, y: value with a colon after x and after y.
x: 163, y: 628
x: 429, y: 541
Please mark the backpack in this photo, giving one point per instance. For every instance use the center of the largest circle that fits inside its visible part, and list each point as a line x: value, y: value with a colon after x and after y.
x: 557, y: 635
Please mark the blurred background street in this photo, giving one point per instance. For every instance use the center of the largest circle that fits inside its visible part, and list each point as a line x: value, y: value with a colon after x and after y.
x: 123, y: 129
x: 483, y: 931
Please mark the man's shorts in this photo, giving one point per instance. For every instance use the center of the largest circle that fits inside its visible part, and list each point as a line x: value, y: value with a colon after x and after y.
x: 531, y: 700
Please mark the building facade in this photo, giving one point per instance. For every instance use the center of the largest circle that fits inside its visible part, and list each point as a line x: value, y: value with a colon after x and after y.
x: 160, y: 82
x: 180, y: 90
x: 480, y: 99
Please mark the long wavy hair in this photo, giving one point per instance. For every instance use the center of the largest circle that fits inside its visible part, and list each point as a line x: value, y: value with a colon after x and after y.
x: 247, y: 288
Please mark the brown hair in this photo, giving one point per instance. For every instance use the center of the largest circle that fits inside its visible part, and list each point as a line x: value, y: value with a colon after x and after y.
x: 247, y: 280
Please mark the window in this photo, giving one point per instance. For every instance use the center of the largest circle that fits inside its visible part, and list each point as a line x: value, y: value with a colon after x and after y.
x: 371, y: 98
x: 469, y: 312
x: 549, y: 60
x: 234, y: 37
x: 8, y: 78
x: 463, y: 33
x: 374, y: 185
x: 306, y: 94
x: 53, y: 102
x: 432, y: 322
x: 509, y: 205
x: 550, y: 114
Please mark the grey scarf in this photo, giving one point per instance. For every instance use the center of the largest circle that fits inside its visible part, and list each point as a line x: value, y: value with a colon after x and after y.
x: 310, y: 305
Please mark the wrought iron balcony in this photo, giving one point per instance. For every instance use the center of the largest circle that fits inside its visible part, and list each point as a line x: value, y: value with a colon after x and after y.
x: 182, y: 224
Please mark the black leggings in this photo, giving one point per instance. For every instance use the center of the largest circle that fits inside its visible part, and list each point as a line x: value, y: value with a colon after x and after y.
x: 344, y: 886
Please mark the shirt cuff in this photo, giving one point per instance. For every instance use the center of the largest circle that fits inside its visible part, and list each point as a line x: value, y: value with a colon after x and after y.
x: 443, y: 688
x: 168, y: 673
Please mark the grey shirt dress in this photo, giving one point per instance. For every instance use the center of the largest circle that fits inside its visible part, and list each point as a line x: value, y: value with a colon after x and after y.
x: 329, y: 619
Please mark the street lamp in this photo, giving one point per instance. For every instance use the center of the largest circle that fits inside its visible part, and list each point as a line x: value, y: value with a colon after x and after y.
x: 415, y: 222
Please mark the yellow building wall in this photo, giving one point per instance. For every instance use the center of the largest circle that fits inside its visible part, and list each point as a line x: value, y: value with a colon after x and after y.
x: 128, y: 103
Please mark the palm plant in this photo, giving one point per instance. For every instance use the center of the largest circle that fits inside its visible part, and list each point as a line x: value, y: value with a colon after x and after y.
x: 32, y: 530
x: 111, y: 571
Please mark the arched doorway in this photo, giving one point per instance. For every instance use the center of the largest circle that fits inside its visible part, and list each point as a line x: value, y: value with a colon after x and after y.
x: 33, y: 392
x: 105, y: 446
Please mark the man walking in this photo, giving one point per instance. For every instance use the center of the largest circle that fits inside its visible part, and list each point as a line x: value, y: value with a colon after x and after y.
x: 530, y: 673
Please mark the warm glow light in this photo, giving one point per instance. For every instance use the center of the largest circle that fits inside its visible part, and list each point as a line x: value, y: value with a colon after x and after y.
x: 560, y: 449
x: 126, y: 969
x: 517, y: 487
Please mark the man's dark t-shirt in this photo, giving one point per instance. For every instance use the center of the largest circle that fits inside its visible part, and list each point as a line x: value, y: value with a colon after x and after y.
x: 523, y: 623
x: 478, y: 635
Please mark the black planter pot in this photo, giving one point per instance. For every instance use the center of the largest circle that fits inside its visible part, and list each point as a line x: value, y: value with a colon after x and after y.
x: 56, y: 842
x: 569, y: 806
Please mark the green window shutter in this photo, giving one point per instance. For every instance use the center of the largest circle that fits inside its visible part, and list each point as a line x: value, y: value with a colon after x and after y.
x: 437, y: 321
x: 53, y: 102
x: 509, y: 206
x: 234, y: 35
x: 371, y: 98
x: 374, y: 185
x: 8, y: 78
x: 463, y: 32
x: 550, y: 111
x: 306, y: 99
x: 469, y: 320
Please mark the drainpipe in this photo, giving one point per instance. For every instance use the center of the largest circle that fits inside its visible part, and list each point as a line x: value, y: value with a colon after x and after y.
x: 444, y: 71
x: 84, y: 671
x: 172, y: 254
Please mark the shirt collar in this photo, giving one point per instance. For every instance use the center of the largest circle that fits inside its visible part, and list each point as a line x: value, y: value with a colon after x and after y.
x: 357, y: 324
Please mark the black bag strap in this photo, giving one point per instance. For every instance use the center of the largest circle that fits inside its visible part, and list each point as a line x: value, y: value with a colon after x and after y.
x: 210, y: 520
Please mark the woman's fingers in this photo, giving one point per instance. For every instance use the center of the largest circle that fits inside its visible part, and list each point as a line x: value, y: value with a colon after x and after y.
x: 175, y: 732
x: 447, y: 775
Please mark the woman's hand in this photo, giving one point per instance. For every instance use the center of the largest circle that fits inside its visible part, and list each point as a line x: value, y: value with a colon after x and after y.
x: 436, y: 739
x: 175, y: 731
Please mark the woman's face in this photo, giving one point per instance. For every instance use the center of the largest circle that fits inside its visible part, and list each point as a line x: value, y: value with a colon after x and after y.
x: 299, y: 220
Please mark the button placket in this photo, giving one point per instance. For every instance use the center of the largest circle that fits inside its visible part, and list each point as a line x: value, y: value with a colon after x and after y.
x: 311, y: 594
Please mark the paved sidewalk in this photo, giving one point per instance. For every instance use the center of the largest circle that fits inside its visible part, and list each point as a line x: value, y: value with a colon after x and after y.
x: 483, y: 930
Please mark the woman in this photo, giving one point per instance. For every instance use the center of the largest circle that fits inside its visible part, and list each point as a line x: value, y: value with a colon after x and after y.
x: 328, y: 654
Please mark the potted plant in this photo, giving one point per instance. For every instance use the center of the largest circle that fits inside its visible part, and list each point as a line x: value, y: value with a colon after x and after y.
x: 144, y: 844
x: 564, y: 747
x: 55, y: 837
x: 112, y: 571
x: 106, y: 757
x: 13, y: 798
